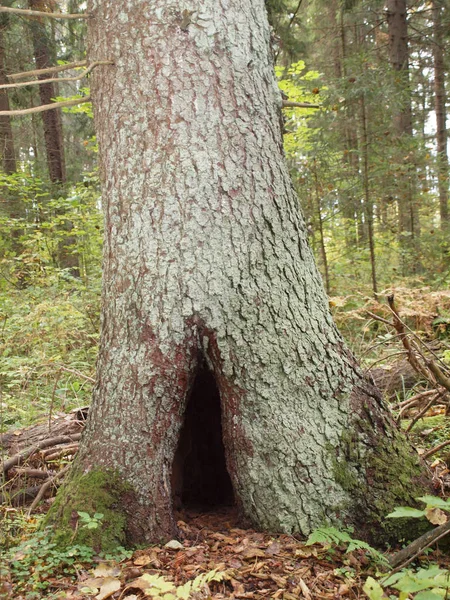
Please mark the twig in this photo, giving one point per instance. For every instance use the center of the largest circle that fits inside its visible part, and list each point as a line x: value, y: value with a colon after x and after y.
x: 44, y: 107
x: 423, y: 411
x: 78, y: 373
x: 66, y: 67
x: 21, y: 456
x: 289, y: 104
x: 435, y: 449
x: 45, y: 487
x: 24, y: 12
x: 414, y: 398
x: 384, y: 358
x: 377, y: 318
x: 56, y: 79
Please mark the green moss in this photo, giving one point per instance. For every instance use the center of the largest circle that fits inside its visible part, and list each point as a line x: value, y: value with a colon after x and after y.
x: 97, y: 491
x: 380, y: 473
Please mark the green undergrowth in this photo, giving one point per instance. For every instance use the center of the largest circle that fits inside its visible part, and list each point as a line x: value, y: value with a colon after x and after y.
x: 48, y: 347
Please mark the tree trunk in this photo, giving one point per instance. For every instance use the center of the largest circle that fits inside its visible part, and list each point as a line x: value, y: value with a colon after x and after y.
x: 441, y: 117
x: 7, y: 152
x: 213, y: 309
x: 408, y: 214
x: 51, y: 119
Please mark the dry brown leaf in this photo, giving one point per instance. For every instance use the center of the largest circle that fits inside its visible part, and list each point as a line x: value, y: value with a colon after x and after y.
x: 343, y: 590
x: 109, y: 586
x: 273, y: 548
x: 142, y: 561
x: 106, y: 570
x: 436, y: 516
x: 305, y: 589
x: 250, y: 553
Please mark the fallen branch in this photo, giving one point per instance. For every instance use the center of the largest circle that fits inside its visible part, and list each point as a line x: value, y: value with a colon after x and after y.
x: 34, y: 473
x: 20, y: 457
x: 403, y: 557
x: 424, y: 410
x: 44, y: 107
x: 45, y: 486
x: 66, y: 450
x: 25, y: 12
x: 5, y: 86
x: 432, y: 451
x: 66, y: 67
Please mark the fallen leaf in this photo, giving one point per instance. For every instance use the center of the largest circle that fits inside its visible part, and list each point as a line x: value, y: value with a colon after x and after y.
x: 274, y: 548
x: 109, y: 586
x: 106, y: 570
x: 250, y: 553
x: 305, y: 589
x: 174, y: 545
x: 141, y: 561
x: 436, y: 516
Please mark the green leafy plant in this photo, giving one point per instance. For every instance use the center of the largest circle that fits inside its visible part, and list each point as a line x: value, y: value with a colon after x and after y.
x: 432, y: 583
x: 433, y: 510
x: 90, y: 522
x: 34, y: 561
x: 156, y: 586
x: 333, y: 536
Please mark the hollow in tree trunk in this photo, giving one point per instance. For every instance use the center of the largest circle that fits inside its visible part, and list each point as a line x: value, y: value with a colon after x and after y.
x: 212, y: 301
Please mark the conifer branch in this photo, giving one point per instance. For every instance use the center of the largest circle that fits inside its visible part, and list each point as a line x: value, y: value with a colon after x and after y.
x: 43, y: 107
x: 5, y: 86
x: 66, y: 67
x: 25, y: 12
x: 289, y: 104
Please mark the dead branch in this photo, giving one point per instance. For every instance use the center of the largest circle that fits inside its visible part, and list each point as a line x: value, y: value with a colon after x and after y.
x: 44, y: 107
x: 424, y: 410
x: 20, y: 457
x: 92, y: 66
x: 413, y: 399
x: 34, y: 473
x: 45, y: 487
x: 289, y: 104
x: 24, y: 12
x: 406, y: 555
x: 78, y: 374
x: 432, y: 451
x: 65, y: 451
x: 66, y: 67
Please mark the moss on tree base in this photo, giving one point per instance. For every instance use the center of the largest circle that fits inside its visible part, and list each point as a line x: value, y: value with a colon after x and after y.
x: 98, y: 491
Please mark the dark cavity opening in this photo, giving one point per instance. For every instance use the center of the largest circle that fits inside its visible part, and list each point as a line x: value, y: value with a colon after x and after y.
x: 200, y: 478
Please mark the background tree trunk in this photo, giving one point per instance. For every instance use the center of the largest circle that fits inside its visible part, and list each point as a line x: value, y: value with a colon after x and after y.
x: 208, y: 274
x: 7, y: 152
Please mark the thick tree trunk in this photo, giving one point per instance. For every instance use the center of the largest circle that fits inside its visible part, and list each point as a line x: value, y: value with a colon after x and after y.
x: 441, y: 114
x: 210, y: 290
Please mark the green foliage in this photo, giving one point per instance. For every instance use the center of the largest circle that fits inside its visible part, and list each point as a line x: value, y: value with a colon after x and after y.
x: 431, y: 583
x: 90, y: 522
x: 156, y: 586
x: 335, y: 537
x: 431, y: 502
x: 34, y: 561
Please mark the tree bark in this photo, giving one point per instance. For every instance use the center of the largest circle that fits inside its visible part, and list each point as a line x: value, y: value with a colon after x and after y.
x: 440, y: 110
x: 207, y: 267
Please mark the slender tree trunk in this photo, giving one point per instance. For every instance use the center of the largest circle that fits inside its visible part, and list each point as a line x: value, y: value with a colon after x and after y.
x: 323, y: 251
x: 51, y: 119
x: 368, y: 204
x: 409, y: 226
x: 440, y: 110
x: 7, y: 152
x: 208, y: 276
